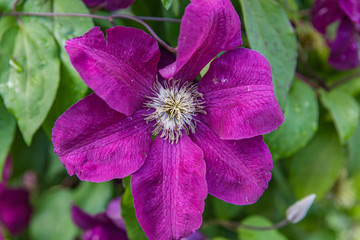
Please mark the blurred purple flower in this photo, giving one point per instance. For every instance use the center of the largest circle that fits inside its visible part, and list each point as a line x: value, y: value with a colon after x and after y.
x: 111, y: 5
x: 103, y: 226
x: 196, y: 236
x: 15, y: 208
x: 344, y: 48
x: 218, y: 121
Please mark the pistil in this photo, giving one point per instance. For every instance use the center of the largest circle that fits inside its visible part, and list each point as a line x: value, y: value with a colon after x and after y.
x: 175, y: 109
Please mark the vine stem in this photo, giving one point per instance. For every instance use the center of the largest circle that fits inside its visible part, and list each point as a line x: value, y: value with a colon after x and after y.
x: 234, y: 225
x: 306, y: 80
x: 107, y: 18
x: 345, y: 79
x: 14, y: 12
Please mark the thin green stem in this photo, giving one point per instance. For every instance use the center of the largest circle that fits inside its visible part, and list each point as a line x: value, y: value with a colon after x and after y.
x: 107, y: 18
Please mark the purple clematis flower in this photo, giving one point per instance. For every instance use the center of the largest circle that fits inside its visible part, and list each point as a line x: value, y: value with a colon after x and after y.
x: 111, y: 5
x: 344, y: 48
x: 15, y: 208
x: 208, y: 134
x: 103, y: 226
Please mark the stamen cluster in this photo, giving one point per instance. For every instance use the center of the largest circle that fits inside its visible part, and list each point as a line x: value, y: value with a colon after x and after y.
x: 175, y: 108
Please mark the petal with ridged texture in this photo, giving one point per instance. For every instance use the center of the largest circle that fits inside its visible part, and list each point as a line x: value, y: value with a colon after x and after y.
x: 239, y: 95
x: 207, y: 28
x: 237, y: 171
x: 98, y: 143
x: 120, y: 69
x: 169, y: 190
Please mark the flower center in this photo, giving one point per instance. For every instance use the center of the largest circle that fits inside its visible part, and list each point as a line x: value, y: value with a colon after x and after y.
x: 175, y: 109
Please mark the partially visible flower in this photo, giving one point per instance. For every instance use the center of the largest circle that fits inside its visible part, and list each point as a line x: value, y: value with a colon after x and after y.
x: 196, y: 236
x: 344, y: 48
x: 15, y: 208
x: 208, y: 134
x: 111, y: 5
x: 108, y: 225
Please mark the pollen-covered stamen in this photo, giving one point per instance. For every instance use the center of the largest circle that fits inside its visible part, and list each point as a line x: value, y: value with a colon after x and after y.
x: 175, y: 108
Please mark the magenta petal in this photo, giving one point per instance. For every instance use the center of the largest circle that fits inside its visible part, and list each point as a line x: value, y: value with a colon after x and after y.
x: 325, y: 12
x: 111, y: 5
x: 121, y: 69
x: 7, y: 170
x: 344, y: 49
x: 351, y: 8
x: 113, y: 212
x: 237, y: 171
x: 207, y: 28
x: 82, y: 219
x: 196, y: 236
x: 99, y: 144
x: 239, y: 96
x: 15, y: 209
x: 169, y: 190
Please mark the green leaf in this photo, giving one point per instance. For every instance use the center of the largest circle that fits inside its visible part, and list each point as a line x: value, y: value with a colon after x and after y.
x: 5, y: 5
x: 72, y: 88
x: 52, y: 219
x: 344, y: 110
x: 29, y: 78
x: 93, y: 197
x: 224, y: 210
x: 269, y: 32
x: 7, y: 133
x: 55, y: 171
x: 259, y: 221
x: 32, y: 157
x: 354, y: 152
x: 167, y: 3
x: 301, y: 122
x: 347, y: 81
x: 315, y: 168
x: 133, y: 228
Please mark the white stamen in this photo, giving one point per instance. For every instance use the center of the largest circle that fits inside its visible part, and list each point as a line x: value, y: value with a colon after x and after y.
x: 175, y: 108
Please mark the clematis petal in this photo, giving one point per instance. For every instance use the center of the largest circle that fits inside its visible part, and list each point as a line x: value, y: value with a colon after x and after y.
x: 15, y: 209
x: 82, y: 219
x: 99, y: 144
x: 121, y: 69
x: 207, y: 28
x: 325, y: 12
x: 239, y: 96
x: 196, y: 236
x: 111, y: 5
x: 344, y: 49
x: 237, y: 171
x: 7, y: 170
x: 169, y: 190
x: 113, y: 212
x: 351, y: 8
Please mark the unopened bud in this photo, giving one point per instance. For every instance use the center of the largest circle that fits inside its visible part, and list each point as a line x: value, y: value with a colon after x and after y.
x: 296, y: 212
